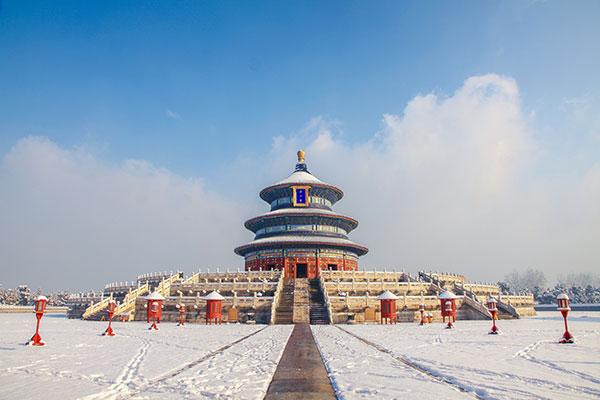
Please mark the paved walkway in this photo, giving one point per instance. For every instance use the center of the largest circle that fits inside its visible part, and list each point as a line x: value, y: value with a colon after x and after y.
x: 300, y: 373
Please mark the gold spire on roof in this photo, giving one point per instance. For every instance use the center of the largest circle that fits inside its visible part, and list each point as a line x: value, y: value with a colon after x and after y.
x: 301, y: 156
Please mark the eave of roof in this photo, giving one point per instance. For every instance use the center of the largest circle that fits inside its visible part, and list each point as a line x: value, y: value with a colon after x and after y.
x: 277, y: 241
x: 299, y: 212
x: 265, y: 193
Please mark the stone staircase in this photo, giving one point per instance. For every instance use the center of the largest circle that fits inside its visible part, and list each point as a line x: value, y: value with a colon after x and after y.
x: 284, y: 312
x: 127, y: 307
x: 507, y: 311
x: 94, y: 309
x: 318, y: 309
x: 301, y: 302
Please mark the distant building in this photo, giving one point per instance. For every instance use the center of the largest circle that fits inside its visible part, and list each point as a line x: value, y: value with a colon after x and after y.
x: 301, y: 235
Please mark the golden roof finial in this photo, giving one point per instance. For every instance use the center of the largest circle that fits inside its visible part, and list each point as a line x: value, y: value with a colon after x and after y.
x: 301, y: 156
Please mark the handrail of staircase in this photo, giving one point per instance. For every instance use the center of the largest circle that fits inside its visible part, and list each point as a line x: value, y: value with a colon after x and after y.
x: 130, y: 299
x: 477, y: 306
x: 192, y: 279
x: 165, y: 285
x: 508, y: 307
x: 95, y: 308
x: 276, y: 295
x: 431, y: 280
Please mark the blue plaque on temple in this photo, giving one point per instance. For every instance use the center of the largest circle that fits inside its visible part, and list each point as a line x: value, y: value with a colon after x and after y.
x: 301, y: 196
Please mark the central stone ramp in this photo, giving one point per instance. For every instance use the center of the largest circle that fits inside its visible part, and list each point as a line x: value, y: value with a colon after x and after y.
x: 300, y: 373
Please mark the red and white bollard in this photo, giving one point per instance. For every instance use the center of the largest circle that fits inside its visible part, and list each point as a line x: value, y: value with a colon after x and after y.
x: 112, y: 305
x: 181, y: 308
x: 493, y: 309
x: 429, y: 317
x: 40, y: 309
x: 564, y: 307
x: 448, y: 306
x: 154, y: 306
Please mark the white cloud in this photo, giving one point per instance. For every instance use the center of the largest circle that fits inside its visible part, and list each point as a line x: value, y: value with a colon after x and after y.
x: 172, y: 114
x: 70, y: 219
x: 452, y: 183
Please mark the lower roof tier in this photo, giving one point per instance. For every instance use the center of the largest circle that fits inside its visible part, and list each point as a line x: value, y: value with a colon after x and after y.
x: 313, y: 241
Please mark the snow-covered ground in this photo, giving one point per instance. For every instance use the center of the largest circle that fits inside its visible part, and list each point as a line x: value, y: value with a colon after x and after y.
x: 195, y: 361
x: 412, y: 362
x: 365, y: 361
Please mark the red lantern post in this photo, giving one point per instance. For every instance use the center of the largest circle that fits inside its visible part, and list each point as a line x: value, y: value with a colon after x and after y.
x: 181, y: 308
x: 448, y: 306
x: 388, y: 307
x: 564, y: 306
x: 493, y: 309
x: 154, y: 306
x: 40, y: 309
x: 214, y: 308
x: 112, y: 305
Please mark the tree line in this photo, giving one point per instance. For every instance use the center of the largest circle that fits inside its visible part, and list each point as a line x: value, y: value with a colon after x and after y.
x: 580, y: 287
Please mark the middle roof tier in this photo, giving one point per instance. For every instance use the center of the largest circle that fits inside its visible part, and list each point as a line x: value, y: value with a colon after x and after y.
x: 300, y: 216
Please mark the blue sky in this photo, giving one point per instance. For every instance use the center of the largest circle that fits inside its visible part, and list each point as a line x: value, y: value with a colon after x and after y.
x: 235, y: 74
x: 221, y: 92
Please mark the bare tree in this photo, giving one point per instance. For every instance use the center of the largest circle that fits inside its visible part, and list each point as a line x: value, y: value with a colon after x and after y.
x: 527, y: 280
x: 581, y: 279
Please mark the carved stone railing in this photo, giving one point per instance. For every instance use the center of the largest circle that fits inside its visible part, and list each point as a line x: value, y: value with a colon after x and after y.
x: 276, y: 296
x: 477, y: 306
x: 164, y: 287
x: 377, y: 286
x: 95, y: 308
x: 127, y: 307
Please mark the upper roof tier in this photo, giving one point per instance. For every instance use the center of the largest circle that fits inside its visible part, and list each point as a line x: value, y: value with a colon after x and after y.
x: 300, y: 176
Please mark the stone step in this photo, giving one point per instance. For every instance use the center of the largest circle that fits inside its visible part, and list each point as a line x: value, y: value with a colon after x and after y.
x: 284, y: 311
x: 318, y: 313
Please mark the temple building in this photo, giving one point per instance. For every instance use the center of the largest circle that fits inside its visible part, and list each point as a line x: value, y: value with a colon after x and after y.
x: 301, y: 235
x: 301, y: 267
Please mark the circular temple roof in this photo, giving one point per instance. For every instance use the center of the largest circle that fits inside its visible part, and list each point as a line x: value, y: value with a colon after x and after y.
x: 300, y: 176
x: 253, y: 223
x: 308, y: 238
x: 289, y: 240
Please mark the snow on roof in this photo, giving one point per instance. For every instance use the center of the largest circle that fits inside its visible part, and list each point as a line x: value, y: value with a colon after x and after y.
x: 41, y: 297
x: 301, y: 211
x: 387, y: 295
x: 300, y: 177
x: 155, y: 296
x: 492, y: 299
x: 446, y: 294
x: 562, y: 296
x: 214, y: 296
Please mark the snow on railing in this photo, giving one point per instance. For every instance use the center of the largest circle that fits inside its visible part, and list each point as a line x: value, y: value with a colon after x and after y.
x: 128, y: 304
x: 94, y: 308
x: 277, y: 294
